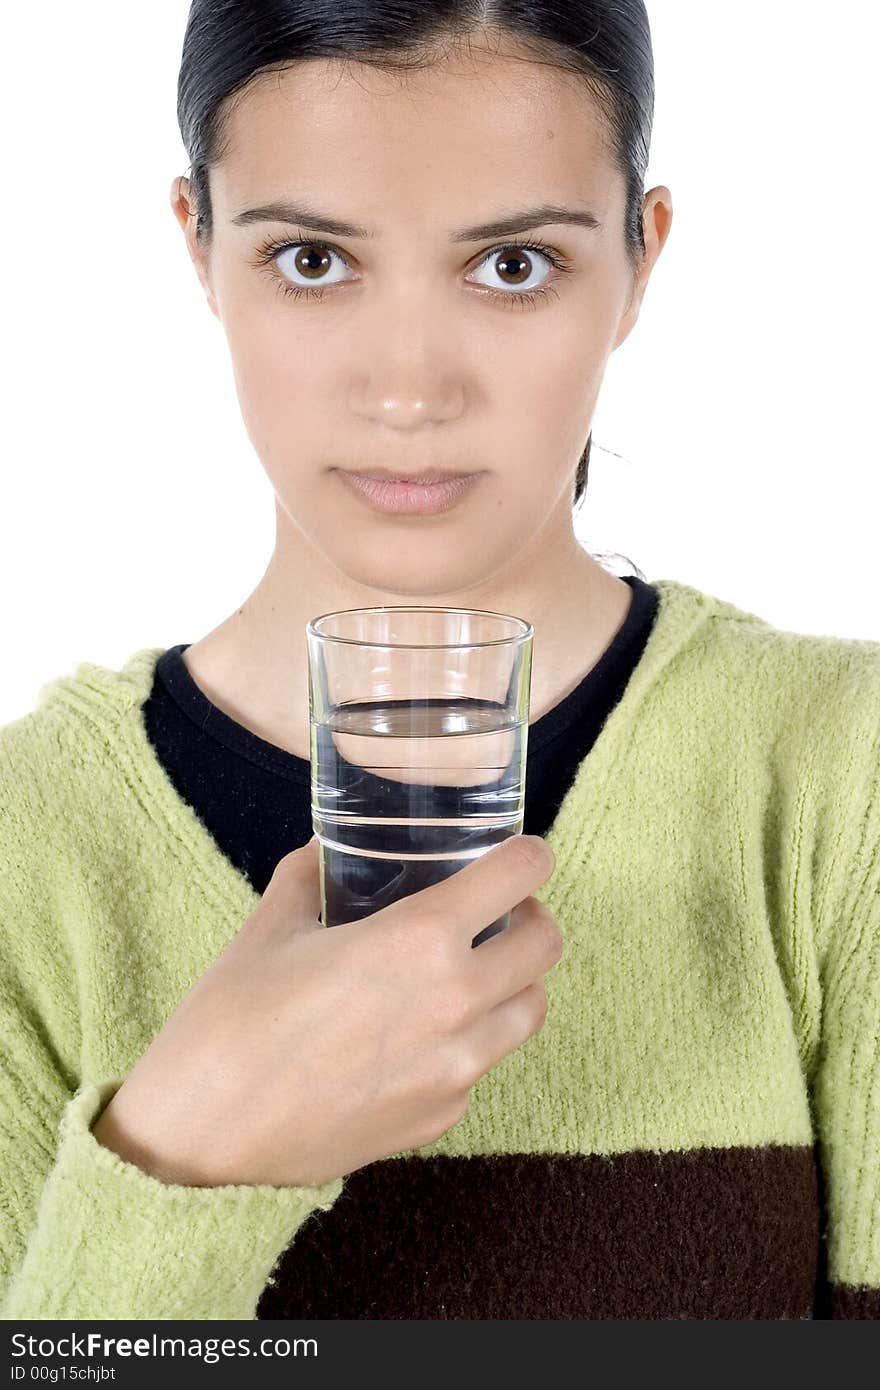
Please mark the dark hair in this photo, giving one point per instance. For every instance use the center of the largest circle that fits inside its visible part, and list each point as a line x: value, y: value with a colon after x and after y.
x: 228, y: 44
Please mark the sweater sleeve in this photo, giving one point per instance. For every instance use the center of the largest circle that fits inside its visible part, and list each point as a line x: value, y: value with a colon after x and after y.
x: 846, y: 1081
x: 84, y: 1234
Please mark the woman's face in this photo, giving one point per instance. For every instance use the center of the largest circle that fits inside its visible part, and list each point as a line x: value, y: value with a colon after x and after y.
x: 422, y: 352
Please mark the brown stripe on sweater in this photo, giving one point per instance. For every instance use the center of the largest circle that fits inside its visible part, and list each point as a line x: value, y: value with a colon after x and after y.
x: 706, y: 1233
x: 847, y: 1301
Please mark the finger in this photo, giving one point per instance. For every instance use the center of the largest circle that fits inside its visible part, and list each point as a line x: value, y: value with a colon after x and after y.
x: 508, y: 963
x: 294, y: 890
x: 486, y: 887
x: 503, y: 1029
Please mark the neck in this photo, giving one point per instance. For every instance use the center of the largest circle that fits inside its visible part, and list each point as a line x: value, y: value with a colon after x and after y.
x: 254, y: 664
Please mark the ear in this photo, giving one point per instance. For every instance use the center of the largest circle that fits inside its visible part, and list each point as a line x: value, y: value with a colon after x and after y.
x: 656, y: 222
x: 183, y: 206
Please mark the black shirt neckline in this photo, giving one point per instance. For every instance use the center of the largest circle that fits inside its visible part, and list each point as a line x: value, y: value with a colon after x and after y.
x: 600, y: 683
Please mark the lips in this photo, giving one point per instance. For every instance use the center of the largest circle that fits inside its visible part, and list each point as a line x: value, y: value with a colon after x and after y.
x: 423, y: 479
x: 398, y: 496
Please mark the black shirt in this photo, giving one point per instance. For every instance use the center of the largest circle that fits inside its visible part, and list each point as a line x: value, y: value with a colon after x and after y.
x: 254, y: 797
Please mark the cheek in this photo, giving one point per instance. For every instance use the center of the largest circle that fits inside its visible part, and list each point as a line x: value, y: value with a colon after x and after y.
x: 552, y: 400
x: 274, y: 362
x: 278, y: 376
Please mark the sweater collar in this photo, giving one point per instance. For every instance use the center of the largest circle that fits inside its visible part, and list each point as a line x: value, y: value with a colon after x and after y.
x: 110, y: 701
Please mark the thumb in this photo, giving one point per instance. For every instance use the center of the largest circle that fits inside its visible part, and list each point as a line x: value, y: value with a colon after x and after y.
x: 294, y: 890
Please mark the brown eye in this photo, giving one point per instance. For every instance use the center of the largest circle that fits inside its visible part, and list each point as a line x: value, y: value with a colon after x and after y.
x: 518, y: 269
x: 304, y: 263
x: 514, y: 265
x: 311, y: 261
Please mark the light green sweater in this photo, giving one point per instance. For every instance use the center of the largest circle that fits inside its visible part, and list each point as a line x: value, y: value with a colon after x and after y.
x: 717, y: 884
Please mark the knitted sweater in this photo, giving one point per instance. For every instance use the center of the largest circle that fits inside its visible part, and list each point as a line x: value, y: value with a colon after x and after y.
x: 694, y: 1132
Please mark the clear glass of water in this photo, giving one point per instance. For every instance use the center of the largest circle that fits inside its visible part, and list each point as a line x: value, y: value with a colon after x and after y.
x: 418, y: 737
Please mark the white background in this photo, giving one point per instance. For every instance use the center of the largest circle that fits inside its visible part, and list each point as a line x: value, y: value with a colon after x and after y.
x: 741, y: 458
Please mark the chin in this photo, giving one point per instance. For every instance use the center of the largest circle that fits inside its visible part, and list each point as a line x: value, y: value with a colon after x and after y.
x: 419, y: 581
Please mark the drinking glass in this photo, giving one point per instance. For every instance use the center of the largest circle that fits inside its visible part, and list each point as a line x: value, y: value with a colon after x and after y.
x: 418, y: 737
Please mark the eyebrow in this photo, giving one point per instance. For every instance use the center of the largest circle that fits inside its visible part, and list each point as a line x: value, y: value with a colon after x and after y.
x: 523, y: 221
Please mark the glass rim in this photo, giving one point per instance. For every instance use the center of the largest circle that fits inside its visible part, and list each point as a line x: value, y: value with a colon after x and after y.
x: 527, y: 631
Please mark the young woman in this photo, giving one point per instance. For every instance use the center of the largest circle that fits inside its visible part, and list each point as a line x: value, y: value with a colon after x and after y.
x: 424, y: 231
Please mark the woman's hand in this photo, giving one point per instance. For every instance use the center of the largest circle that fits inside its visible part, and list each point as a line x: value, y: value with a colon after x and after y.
x: 305, y: 1052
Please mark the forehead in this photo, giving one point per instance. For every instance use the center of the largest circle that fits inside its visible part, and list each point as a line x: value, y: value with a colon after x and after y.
x: 471, y: 128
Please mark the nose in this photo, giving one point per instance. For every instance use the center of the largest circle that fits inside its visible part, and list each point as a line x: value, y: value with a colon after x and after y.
x: 406, y: 386
x: 408, y: 408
